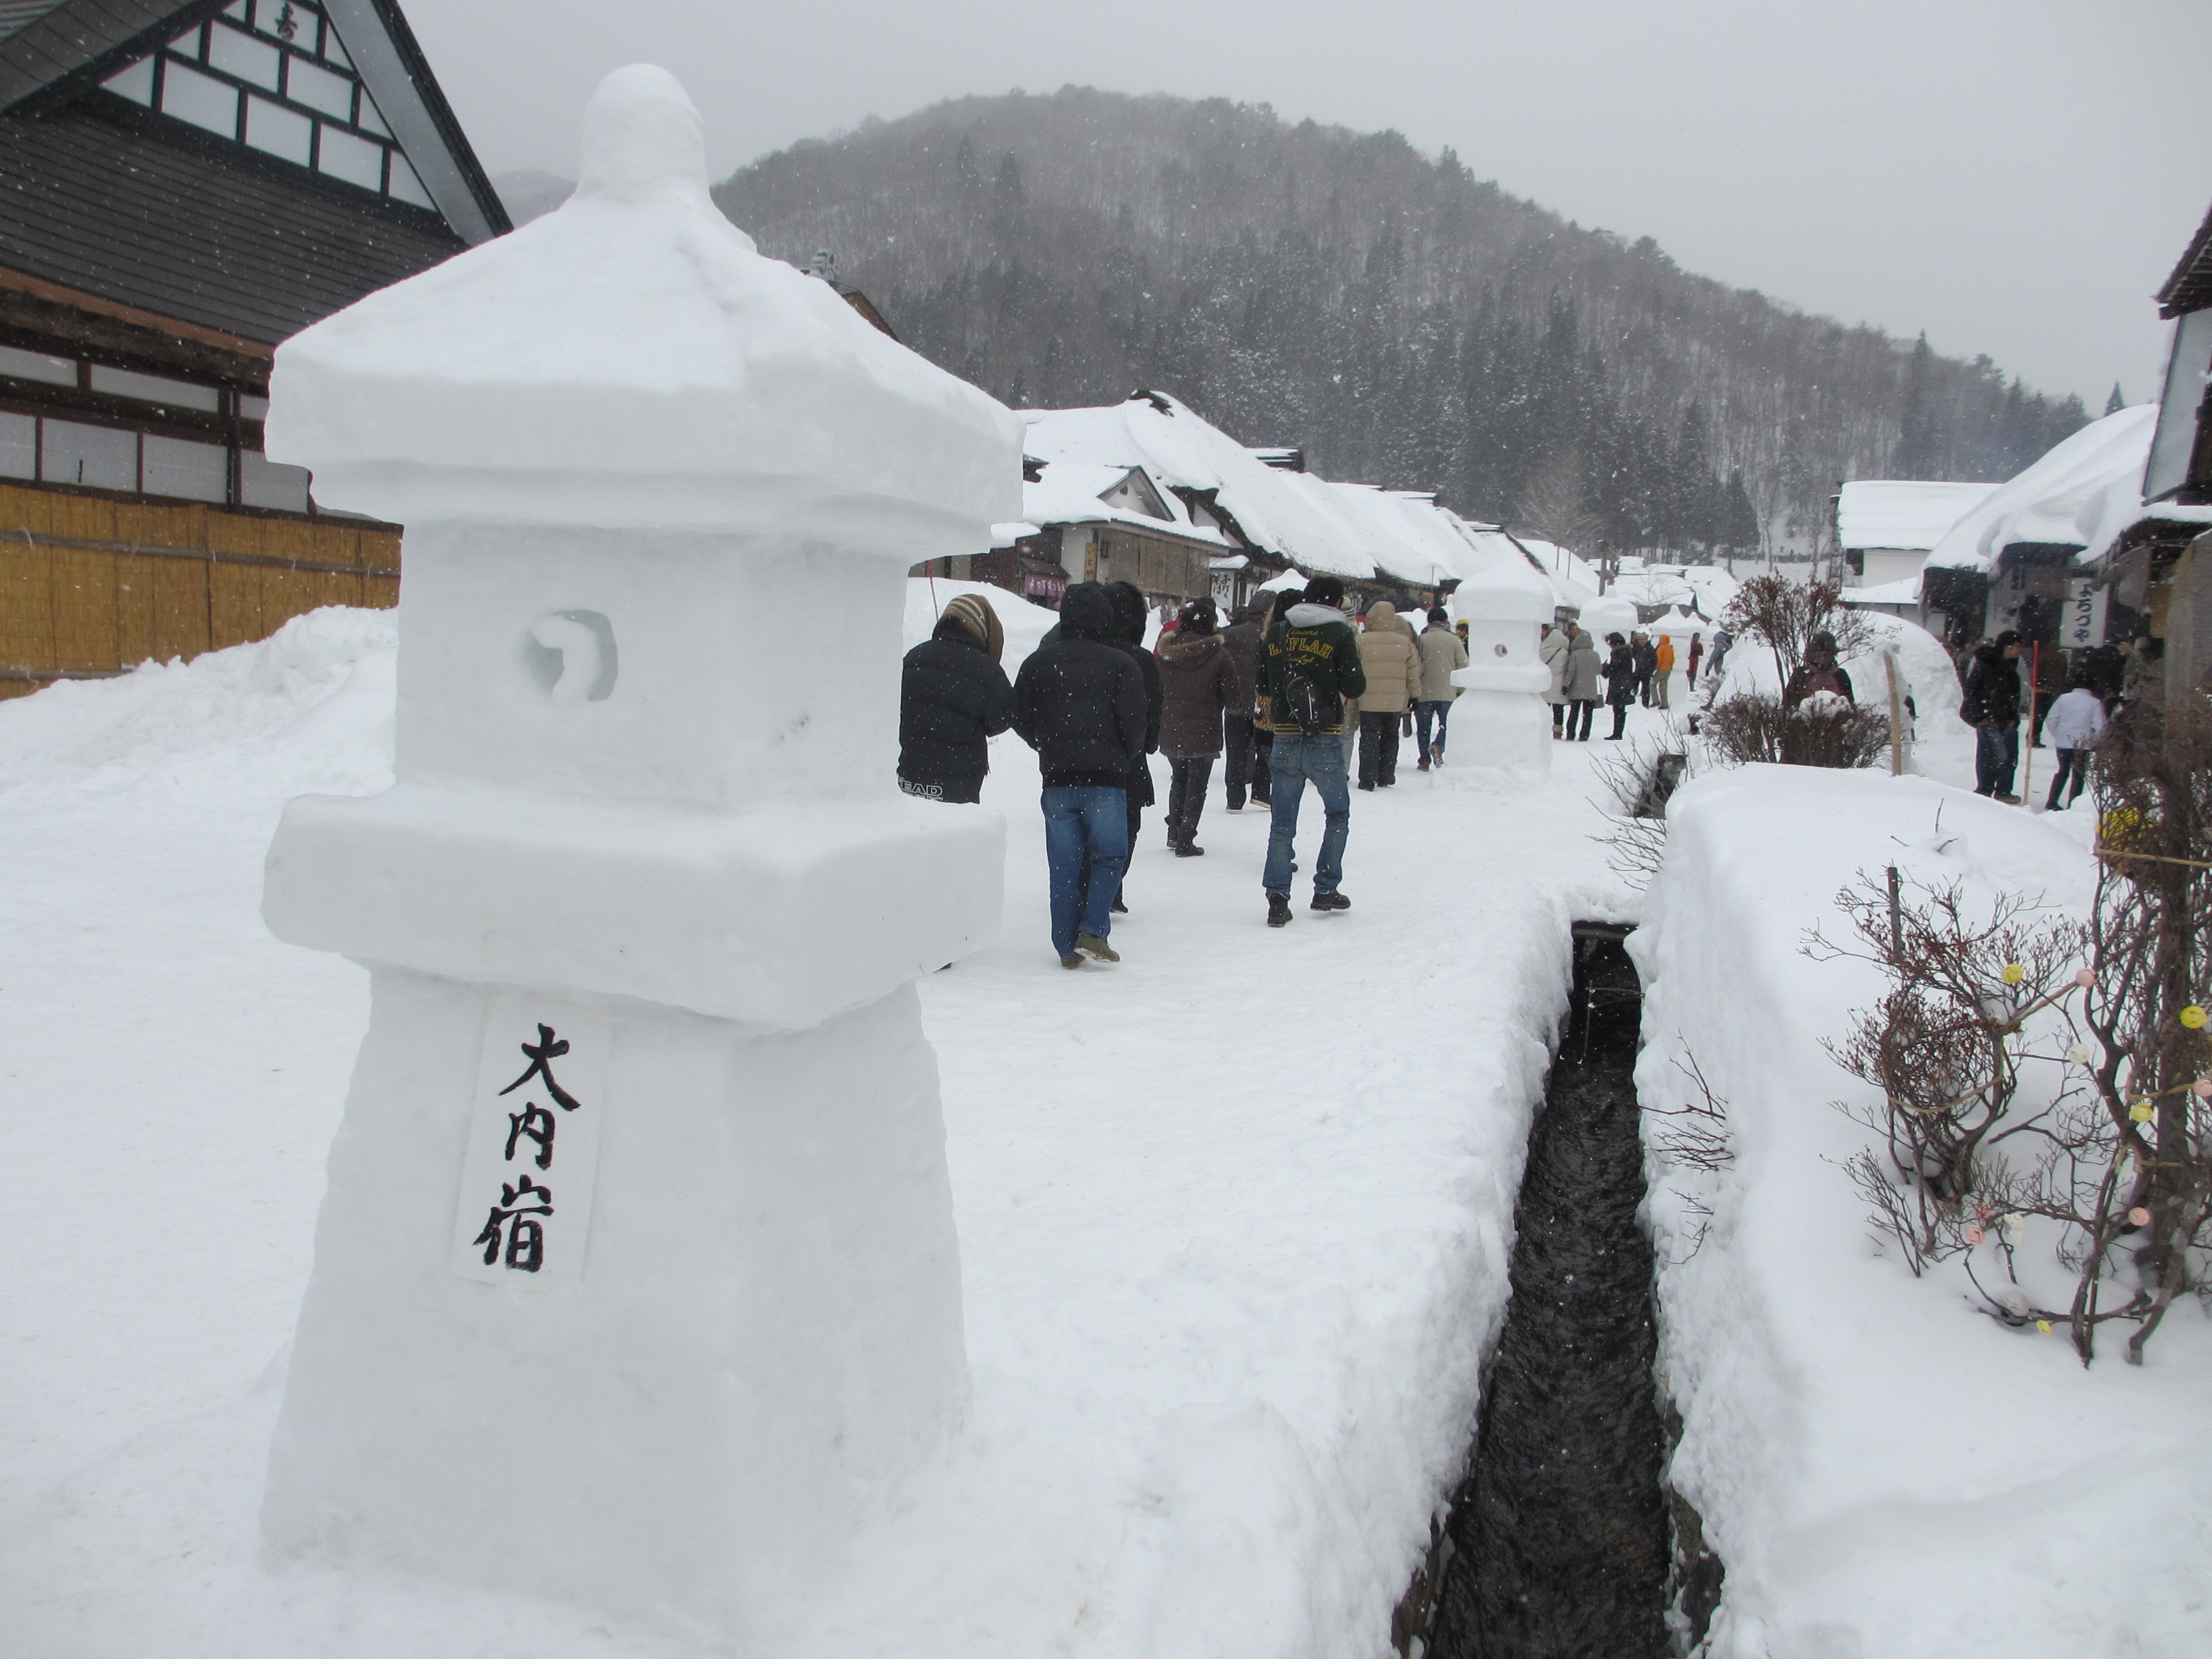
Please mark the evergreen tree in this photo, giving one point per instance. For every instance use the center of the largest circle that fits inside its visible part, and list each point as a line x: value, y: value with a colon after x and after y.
x: 1919, y: 436
x: 2116, y: 403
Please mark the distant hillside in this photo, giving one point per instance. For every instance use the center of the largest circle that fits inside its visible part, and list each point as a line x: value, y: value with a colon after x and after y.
x: 1403, y: 321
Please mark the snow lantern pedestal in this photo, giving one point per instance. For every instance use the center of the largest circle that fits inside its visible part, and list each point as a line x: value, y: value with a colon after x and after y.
x: 636, y: 1271
x: 1502, y: 721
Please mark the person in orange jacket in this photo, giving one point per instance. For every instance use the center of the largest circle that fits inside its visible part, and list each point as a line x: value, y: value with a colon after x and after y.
x: 1663, y: 670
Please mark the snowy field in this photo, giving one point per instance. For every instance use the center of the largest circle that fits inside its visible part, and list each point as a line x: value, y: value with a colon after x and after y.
x: 1233, y: 1216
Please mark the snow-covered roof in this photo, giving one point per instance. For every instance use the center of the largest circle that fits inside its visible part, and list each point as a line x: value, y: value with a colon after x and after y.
x: 1085, y: 451
x: 1706, y: 588
x: 1904, y: 591
x: 2082, y: 493
x: 1320, y: 526
x: 1908, y: 514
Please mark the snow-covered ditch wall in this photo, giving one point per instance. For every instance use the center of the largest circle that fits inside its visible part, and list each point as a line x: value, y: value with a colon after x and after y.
x: 1886, y: 1472
x: 1234, y: 1219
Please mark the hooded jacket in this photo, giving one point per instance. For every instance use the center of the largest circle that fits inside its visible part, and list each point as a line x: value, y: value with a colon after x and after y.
x: 1391, y: 661
x: 1130, y: 614
x: 1620, y: 672
x: 1442, y: 653
x: 1578, y: 673
x: 1242, y: 642
x: 1663, y: 654
x: 1079, y: 700
x: 1317, y: 641
x: 1551, y: 650
x: 953, y: 699
x: 1198, y: 683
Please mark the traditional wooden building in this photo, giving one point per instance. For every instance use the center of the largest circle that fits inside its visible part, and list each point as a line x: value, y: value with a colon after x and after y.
x: 2159, y: 568
x: 1148, y: 491
x: 183, y: 187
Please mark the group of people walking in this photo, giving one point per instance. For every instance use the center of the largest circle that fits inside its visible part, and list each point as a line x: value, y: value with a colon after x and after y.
x: 1639, y: 668
x: 1290, y: 691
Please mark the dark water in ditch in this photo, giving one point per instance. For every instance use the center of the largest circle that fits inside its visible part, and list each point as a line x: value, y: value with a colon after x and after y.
x: 1558, y: 1543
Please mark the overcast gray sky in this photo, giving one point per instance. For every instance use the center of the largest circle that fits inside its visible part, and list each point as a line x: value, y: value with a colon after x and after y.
x: 2013, y: 176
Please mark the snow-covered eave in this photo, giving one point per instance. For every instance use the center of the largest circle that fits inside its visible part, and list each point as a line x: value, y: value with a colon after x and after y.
x: 2166, y: 520
x: 1905, y: 590
x: 1187, y: 535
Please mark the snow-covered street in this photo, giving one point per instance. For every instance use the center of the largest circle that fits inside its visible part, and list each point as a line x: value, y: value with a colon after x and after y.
x: 1232, y: 1216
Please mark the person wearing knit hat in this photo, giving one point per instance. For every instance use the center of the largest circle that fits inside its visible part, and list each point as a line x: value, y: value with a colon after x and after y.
x: 953, y: 699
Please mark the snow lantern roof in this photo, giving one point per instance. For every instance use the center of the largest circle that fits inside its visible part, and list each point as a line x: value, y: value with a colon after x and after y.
x: 1904, y: 513
x: 632, y: 360
x: 1573, y: 582
x: 1506, y: 590
x: 2083, y: 493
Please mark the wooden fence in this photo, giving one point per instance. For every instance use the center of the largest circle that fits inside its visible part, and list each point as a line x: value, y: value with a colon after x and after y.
x: 92, y: 586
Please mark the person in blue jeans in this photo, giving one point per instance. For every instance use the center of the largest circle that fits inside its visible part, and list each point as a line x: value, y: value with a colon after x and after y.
x: 1080, y: 703
x: 1308, y: 674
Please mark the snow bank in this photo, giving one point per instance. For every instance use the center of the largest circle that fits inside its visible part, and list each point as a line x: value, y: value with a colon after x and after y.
x: 1942, y: 744
x: 1884, y: 1470
x: 110, y: 730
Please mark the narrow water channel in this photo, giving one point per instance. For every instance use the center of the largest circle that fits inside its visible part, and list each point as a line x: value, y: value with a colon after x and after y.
x: 1558, y: 1547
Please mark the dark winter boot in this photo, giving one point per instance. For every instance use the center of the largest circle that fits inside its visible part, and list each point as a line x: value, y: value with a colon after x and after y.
x: 1097, y: 949
x: 1331, y: 902
x: 1278, y: 910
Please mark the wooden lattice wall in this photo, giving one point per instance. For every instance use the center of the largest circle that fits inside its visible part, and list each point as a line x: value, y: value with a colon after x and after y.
x: 91, y: 585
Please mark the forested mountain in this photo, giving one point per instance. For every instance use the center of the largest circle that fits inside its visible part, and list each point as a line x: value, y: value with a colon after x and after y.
x: 1403, y: 321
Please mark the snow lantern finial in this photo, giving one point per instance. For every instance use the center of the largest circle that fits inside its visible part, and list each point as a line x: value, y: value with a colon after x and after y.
x: 643, y: 138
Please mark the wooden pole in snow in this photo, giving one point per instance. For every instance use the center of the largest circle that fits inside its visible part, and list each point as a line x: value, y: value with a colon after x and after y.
x: 1896, y: 716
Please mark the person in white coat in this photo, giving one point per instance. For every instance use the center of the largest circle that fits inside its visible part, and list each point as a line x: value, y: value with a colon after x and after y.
x: 2076, y: 725
x: 1552, y: 651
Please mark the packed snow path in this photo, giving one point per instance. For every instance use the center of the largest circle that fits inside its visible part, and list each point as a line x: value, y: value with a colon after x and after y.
x: 1233, y: 1215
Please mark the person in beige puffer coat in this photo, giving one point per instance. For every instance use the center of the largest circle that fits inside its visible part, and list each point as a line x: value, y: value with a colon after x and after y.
x: 1392, y: 663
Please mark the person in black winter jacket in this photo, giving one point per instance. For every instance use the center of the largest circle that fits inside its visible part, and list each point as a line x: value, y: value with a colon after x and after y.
x: 953, y: 699
x: 1244, y: 737
x: 1130, y: 615
x: 1645, y: 655
x: 1079, y: 702
x: 1622, y: 674
x: 1991, y: 706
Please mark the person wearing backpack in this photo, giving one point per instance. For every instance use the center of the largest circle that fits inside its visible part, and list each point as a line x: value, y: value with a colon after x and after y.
x: 1308, y: 674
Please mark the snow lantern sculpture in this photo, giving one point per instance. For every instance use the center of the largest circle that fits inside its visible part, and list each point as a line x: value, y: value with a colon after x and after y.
x: 637, y: 1260
x: 1502, y: 721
